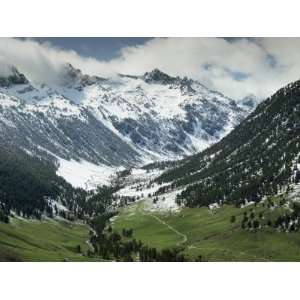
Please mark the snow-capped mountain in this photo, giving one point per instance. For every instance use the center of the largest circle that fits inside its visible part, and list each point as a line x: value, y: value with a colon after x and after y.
x: 258, y: 159
x: 120, y: 121
x: 159, y: 115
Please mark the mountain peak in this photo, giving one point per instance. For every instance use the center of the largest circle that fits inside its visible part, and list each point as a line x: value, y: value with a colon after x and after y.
x: 158, y: 72
x: 74, y: 77
x: 70, y: 72
x: 157, y: 76
x: 9, y: 75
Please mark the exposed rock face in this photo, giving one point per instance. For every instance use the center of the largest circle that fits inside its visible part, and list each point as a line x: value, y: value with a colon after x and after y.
x: 123, y: 121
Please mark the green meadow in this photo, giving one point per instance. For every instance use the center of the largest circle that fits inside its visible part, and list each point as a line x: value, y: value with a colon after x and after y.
x: 210, y: 233
x: 47, y: 240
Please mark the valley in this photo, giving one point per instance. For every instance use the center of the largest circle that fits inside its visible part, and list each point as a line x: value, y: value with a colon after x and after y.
x: 209, y: 233
x: 146, y: 168
x: 203, y: 234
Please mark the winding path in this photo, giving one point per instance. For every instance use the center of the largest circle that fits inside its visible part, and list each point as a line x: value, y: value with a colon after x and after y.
x: 184, y: 237
x: 191, y: 246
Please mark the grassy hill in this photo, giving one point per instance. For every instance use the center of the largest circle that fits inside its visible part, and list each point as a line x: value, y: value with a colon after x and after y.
x: 210, y: 234
x: 47, y: 240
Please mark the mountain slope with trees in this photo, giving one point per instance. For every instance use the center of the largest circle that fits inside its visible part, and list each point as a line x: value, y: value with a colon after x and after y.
x: 30, y: 187
x: 260, y: 157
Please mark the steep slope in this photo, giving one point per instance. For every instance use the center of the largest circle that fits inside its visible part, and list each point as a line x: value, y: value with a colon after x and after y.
x: 258, y: 158
x: 143, y: 109
x: 31, y: 188
x: 117, y: 122
x: 56, y: 125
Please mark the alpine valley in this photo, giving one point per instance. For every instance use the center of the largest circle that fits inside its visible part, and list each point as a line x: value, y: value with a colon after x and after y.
x: 99, y: 124
x: 146, y: 168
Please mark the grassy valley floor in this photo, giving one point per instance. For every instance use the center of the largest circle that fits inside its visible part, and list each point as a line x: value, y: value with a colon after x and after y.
x: 197, y: 231
x: 210, y: 234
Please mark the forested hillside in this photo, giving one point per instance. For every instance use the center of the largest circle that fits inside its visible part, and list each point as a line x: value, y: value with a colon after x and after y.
x: 258, y: 158
x: 30, y: 187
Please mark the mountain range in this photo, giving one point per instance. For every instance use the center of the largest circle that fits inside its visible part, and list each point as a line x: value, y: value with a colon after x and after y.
x: 99, y: 124
x: 206, y: 176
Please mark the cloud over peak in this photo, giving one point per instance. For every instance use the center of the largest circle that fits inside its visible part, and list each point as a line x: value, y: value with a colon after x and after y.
x: 235, y: 67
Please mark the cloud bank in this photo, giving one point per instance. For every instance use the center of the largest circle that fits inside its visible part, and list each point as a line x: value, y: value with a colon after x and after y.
x: 236, y: 67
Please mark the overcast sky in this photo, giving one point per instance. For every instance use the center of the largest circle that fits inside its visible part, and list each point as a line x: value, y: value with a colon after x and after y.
x: 236, y: 67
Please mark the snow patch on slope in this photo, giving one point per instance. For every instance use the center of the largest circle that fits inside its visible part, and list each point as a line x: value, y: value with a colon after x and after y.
x: 139, y: 184
x: 84, y: 174
x: 165, y: 202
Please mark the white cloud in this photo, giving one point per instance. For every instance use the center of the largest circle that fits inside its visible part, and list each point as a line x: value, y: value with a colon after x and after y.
x: 235, y: 67
x: 41, y: 62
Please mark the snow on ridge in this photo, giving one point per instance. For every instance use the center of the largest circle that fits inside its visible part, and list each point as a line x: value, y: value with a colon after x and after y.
x: 7, y: 101
x: 113, y: 101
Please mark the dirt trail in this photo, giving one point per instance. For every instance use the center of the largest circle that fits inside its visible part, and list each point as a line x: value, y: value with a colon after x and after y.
x: 184, y: 237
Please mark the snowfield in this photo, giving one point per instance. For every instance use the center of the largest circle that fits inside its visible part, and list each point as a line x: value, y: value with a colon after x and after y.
x: 84, y: 174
